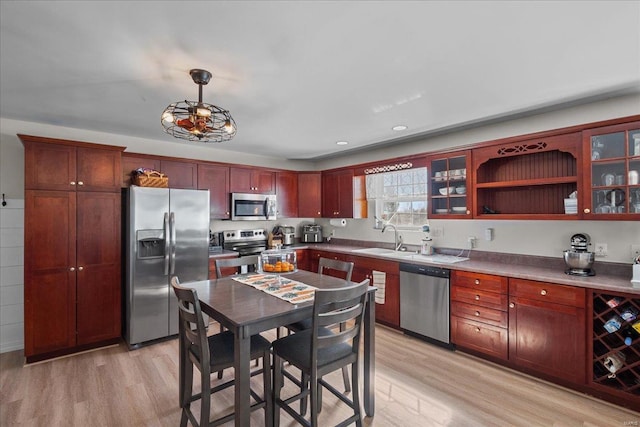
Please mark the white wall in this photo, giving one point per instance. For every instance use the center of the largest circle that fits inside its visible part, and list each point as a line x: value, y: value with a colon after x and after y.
x: 11, y: 275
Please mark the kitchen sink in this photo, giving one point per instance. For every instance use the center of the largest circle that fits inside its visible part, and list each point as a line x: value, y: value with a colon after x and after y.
x: 439, y: 259
x: 385, y: 252
x: 390, y: 253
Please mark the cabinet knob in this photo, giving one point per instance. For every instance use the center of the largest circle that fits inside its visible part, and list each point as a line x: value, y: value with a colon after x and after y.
x: 587, y: 210
x: 80, y: 183
x: 72, y: 183
x: 72, y: 269
x: 80, y: 268
x: 477, y: 313
x: 543, y: 292
x: 468, y: 212
x: 477, y: 281
x: 477, y: 298
x: 511, y: 305
x: 477, y: 329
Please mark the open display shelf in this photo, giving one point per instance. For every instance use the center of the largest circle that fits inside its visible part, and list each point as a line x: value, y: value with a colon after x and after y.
x: 605, y: 344
x: 527, y: 179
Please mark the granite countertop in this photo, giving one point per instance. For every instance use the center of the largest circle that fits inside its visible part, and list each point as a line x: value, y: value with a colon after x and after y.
x: 612, y: 277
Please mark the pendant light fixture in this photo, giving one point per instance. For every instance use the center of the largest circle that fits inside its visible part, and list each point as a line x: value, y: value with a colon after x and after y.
x: 198, y: 121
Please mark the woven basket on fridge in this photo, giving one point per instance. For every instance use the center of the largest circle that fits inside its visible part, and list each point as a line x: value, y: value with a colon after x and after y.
x: 151, y: 179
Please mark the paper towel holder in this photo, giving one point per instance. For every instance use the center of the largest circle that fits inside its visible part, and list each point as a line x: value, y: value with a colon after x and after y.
x: 336, y: 222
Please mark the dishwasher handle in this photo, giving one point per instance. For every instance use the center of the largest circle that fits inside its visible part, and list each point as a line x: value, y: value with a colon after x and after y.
x: 426, y: 270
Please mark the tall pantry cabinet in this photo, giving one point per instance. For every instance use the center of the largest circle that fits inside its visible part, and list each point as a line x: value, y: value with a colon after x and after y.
x: 72, y: 290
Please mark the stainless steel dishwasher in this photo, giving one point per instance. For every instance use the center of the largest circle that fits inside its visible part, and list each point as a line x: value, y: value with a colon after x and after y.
x: 424, y: 302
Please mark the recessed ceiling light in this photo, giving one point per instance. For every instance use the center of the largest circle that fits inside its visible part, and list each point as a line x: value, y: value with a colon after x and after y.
x: 399, y: 127
x: 342, y: 143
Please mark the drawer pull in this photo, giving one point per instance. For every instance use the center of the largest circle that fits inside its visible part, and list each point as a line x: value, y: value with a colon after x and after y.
x: 80, y: 183
x: 80, y: 268
x: 477, y: 313
x: 543, y: 292
x: 72, y: 183
x: 477, y: 281
x: 477, y: 298
x: 511, y: 305
x: 477, y: 329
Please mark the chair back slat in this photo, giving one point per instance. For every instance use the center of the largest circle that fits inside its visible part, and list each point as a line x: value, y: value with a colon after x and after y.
x: 335, y: 264
x: 191, y: 327
x: 342, y: 306
x: 251, y: 260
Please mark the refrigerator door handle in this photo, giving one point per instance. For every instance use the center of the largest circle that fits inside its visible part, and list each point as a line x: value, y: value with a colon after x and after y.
x: 165, y: 227
x: 172, y: 225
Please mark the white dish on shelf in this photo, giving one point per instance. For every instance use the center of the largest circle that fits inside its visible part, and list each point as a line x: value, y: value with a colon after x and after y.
x: 459, y: 209
x: 446, y: 190
x: 442, y: 211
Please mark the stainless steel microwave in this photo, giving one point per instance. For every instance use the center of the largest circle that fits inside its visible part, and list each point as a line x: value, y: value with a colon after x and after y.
x: 252, y: 207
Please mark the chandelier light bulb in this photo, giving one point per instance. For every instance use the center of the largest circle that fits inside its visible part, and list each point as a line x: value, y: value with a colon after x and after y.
x: 167, y: 117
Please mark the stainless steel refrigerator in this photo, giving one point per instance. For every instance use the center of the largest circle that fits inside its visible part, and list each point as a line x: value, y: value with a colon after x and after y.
x: 167, y: 234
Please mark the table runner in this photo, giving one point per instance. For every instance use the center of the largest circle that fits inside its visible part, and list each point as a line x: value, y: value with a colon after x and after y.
x: 286, y: 289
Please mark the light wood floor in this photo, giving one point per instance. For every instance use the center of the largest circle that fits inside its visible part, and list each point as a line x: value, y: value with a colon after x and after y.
x: 417, y: 384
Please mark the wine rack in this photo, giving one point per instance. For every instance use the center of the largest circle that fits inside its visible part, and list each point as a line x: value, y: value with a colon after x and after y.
x: 626, y: 379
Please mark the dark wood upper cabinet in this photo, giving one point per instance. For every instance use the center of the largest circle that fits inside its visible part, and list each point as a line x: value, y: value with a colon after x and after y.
x: 527, y: 179
x: 287, y: 194
x: 181, y: 174
x: 611, y: 168
x: 132, y: 162
x: 450, y: 171
x: 252, y: 180
x: 215, y: 179
x: 309, y: 194
x: 53, y: 164
x: 343, y: 195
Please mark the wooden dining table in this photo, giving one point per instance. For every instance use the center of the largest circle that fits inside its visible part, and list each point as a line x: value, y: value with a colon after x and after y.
x: 247, y: 311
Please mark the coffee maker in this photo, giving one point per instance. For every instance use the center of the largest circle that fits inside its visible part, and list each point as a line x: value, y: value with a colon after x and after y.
x: 578, y: 258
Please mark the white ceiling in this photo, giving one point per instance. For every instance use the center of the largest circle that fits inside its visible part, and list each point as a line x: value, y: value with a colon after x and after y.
x: 300, y: 76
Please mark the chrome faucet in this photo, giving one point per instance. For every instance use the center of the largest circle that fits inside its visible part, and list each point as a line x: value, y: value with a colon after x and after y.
x: 397, y: 239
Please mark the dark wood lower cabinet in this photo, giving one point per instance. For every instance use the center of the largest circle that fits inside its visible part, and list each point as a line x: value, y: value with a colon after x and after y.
x: 72, y: 271
x: 98, y: 271
x: 548, y: 338
x: 480, y: 337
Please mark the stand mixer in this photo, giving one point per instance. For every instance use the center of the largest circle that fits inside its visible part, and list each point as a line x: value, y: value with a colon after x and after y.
x: 578, y: 258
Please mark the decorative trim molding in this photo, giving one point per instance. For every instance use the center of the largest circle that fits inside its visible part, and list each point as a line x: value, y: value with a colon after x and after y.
x: 520, y: 148
x: 388, y: 168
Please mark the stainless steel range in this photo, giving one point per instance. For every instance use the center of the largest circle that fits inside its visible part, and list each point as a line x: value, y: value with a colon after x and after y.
x: 245, y: 242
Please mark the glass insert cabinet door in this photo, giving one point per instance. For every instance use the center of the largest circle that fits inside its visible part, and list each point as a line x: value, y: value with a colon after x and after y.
x: 448, y: 186
x: 614, y: 171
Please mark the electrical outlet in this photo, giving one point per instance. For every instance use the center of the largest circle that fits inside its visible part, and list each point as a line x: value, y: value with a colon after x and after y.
x: 436, y: 231
x: 601, y: 249
x: 471, y: 240
x: 635, y: 251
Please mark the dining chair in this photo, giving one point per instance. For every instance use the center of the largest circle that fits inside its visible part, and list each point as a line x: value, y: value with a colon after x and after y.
x: 239, y: 262
x: 321, y: 350
x: 212, y: 354
x: 347, y: 268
